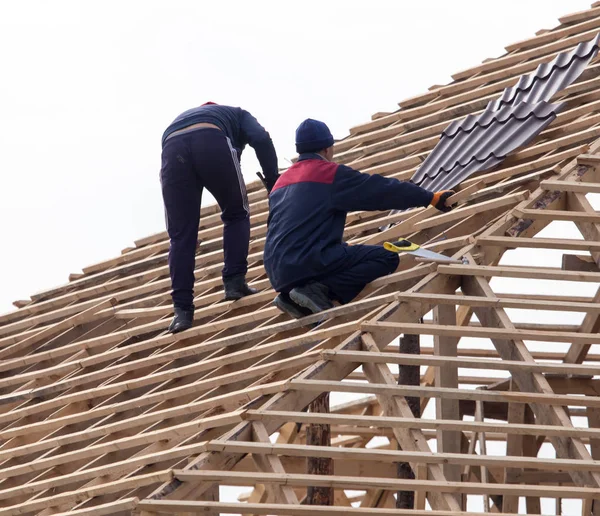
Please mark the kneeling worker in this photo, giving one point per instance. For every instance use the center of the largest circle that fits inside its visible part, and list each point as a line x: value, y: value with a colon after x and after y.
x: 305, y: 256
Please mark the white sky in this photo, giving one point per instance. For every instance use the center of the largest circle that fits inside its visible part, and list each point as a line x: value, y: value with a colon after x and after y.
x: 87, y: 88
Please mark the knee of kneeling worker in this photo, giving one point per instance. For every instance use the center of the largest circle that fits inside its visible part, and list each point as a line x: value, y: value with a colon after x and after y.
x: 392, y: 260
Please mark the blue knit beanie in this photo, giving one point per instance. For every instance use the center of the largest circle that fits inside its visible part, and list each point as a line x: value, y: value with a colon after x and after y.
x: 312, y: 136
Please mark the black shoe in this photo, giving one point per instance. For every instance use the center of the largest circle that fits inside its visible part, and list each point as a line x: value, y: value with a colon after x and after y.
x: 182, y: 321
x: 313, y: 296
x: 285, y: 304
x: 237, y: 288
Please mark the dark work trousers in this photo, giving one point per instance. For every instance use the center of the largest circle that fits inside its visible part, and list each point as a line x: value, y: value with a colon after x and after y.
x: 363, y: 264
x: 191, y: 161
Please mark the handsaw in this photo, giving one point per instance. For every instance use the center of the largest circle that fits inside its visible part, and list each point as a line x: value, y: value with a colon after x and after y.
x: 406, y: 246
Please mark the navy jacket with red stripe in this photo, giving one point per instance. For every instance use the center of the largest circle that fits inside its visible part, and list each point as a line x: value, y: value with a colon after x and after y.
x: 307, y: 215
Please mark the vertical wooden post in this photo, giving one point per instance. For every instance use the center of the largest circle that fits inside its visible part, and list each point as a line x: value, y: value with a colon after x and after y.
x: 447, y: 376
x: 211, y: 495
x: 408, y: 375
x: 514, y: 447
x: 592, y: 507
x: 319, y: 435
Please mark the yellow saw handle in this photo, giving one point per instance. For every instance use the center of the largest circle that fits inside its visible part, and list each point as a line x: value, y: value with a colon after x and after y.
x: 401, y: 246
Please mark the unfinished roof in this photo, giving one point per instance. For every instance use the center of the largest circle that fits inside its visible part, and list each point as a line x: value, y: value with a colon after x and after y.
x: 102, y: 412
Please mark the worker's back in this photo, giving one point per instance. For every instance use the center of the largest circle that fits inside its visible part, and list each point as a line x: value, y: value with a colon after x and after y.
x: 304, y: 237
x: 238, y: 124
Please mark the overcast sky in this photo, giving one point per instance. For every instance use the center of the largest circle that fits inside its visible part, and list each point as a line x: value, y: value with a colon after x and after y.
x: 87, y: 89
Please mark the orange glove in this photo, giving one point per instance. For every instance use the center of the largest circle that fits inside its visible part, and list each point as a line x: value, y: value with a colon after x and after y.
x: 440, y: 198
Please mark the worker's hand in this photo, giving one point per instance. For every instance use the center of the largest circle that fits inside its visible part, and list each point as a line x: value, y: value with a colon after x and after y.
x: 270, y: 183
x: 440, y: 198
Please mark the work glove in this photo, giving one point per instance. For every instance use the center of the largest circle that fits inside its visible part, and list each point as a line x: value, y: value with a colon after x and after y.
x: 440, y: 198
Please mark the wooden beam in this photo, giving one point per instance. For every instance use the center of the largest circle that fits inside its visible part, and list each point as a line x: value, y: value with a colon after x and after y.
x: 184, y: 507
x: 554, y: 215
x: 531, y: 382
x: 572, y: 186
x: 488, y: 271
x: 447, y: 376
x: 319, y: 435
x: 77, y: 496
x: 342, y: 482
x: 398, y: 406
x: 382, y: 389
x: 471, y: 363
x: 576, y: 262
x: 481, y: 332
x: 539, y: 243
x: 364, y: 455
x: 408, y: 375
x: 271, y: 464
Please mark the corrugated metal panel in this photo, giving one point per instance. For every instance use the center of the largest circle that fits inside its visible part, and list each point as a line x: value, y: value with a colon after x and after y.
x: 549, y: 78
x: 478, y: 143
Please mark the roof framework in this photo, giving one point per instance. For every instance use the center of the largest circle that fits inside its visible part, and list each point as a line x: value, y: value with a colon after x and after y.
x: 102, y: 412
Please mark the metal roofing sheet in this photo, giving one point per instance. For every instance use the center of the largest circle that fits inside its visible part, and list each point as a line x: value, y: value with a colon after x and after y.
x: 479, y: 142
x: 549, y: 78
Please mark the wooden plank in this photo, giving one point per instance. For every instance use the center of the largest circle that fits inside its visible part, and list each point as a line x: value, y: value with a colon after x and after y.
x: 589, y: 160
x: 381, y: 389
x: 580, y: 15
x: 570, y: 186
x: 272, y: 464
x: 16, y: 343
x: 471, y: 363
x: 578, y: 352
x: 553, y: 215
x: 232, y: 398
x: 460, y: 213
x: 342, y: 482
x: 183, y: 429
x: 184, y: 507
x: 548, y: 50
x: 124, y: 467
x: 522, y: 301
x: 558, y: 33
x: 540, y: 243
x: 532, y: 382
x: 394, y: 404
x: 408, y: 375
x: 519, y: 272
x: 447, y: 376
x: 109, y: 509
x: 489, y: 333
x: 391, y: 456
x: 514, y: 446
x: 319, y: 435
x: 43, y: 503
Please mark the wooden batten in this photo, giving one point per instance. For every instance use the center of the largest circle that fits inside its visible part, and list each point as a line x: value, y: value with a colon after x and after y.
x: 103, y: 412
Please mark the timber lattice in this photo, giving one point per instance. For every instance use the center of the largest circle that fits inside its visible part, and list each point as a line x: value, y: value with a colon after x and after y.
x: 102, y: 412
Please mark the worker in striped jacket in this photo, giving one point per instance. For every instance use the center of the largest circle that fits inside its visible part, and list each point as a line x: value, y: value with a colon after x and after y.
x: 201, y: 148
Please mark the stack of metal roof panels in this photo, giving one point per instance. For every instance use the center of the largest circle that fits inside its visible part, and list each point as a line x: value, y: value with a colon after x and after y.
x: 480, y: 142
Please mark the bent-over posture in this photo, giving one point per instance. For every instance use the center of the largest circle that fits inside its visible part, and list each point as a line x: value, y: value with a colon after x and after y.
x: 201, y: 148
